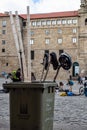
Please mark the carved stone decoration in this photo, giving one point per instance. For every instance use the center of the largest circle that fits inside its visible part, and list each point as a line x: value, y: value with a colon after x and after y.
x: 83, y: 2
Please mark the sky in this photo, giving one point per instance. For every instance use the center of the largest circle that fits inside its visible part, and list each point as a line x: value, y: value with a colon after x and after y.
x: 38, y: 6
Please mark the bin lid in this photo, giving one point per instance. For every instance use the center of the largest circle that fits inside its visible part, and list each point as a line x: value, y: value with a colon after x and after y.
x: 29, y: 85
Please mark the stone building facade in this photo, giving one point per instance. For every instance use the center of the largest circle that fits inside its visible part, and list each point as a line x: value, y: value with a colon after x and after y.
x: 51, y: 32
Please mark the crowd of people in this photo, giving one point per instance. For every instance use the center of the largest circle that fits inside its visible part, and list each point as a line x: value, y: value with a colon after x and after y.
x: 69, y: 91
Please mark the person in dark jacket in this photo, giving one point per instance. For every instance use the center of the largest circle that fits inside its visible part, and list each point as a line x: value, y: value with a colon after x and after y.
x: 18, y: 74
x: 80, y: 79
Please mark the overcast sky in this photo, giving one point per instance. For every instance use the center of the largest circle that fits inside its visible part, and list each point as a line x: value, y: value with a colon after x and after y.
x: 39, y: 6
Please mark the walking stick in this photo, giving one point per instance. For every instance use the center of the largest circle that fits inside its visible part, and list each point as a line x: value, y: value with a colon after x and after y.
x: 46, y: 72
x: 44, y: 62
x: 45, y: 65
x: 56, y: 73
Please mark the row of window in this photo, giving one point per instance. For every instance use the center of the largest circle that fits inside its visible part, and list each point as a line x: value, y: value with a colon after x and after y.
x: 32, y: 52
x: 46, y: 51
x: 59, y: 40
x: 60, y: 51
x: 48, y: 22
x: 53, y: 22
x: 47, y: 40
x: 47, y: 32
x: 59, y: 31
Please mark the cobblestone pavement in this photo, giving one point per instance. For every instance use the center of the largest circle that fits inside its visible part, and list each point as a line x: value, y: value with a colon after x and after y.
x: 70, y: 113
x: 4, y: 108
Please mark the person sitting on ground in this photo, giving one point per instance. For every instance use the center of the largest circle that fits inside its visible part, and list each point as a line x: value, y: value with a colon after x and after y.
x: 70, y: 92
x: 61, y: 86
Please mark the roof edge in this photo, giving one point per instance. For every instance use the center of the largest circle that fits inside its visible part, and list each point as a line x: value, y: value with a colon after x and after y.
x: 51, y: 15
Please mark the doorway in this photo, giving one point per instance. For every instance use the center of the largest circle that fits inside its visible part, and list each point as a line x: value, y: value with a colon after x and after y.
x: 75, y: 69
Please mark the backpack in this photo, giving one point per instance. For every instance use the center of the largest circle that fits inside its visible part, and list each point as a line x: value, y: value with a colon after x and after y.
x: 70, y: 94
x: 71, y: 82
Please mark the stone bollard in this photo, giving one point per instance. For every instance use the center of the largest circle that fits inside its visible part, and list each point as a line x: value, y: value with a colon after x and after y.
x: 31, y: 105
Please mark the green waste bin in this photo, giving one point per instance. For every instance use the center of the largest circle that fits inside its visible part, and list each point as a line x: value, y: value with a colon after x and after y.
x: 31, y: 105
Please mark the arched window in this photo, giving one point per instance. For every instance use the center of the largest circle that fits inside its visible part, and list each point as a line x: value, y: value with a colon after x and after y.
x: 86, y: 21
